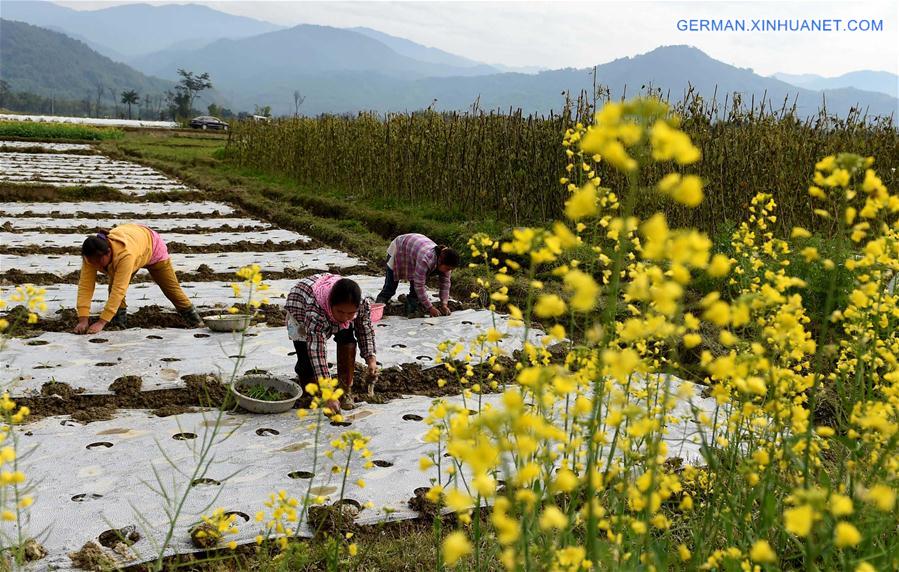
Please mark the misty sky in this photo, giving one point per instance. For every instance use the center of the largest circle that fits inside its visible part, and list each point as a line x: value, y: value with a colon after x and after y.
x: 581, y: 34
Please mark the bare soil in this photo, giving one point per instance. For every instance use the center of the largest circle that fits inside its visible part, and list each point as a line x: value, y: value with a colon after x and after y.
x: 204, y: 535
x: 43, y: 193
x: 112, y: 537
x: 61, y: 399
x: 338, y: 517
x: 203, y: 273
x: 427, y: 509
x: 133, y: 215
x: 92, y: 557
x: 147, y: 317
x: 58, y: 398
x: 33, y: 550
x: 411, y: 379
x: 84, y: 229
x: 37, y: 149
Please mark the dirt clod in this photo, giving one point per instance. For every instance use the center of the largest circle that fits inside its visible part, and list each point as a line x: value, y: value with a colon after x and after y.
x: 204, y: 535
x: 127, y: 534
x: 92, y: 557
x: 169, y: 410
x: 59, y: 389
x: 420, y: 503
x: 338, y: 517
x: 205, y: 270
x: 205, y: 389
x: 33, y: 550
x: 90, y: 414
x: 126, y: 385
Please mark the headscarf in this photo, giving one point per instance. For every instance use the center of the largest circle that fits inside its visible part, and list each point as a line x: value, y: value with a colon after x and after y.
x: 322, y: 291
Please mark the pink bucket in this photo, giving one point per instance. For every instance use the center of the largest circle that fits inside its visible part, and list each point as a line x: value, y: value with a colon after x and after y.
x: 377, y: 312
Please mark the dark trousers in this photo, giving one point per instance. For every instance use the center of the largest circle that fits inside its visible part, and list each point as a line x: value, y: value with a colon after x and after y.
x: 304, y: 368
x: 389, y: 290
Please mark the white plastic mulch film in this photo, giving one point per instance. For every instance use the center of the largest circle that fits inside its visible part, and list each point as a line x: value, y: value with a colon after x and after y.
x: 46, y: 146
x: 67, y: 170
x: 89, y: 121
x: 219, y: 263
x: 158, y: 224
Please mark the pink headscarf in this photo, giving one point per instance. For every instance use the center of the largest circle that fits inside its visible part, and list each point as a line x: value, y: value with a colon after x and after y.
x: 322, y: 291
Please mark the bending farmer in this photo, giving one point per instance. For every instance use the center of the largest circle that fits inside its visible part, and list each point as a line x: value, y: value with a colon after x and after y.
x: 120, y: 253
x: 415, y: 257
x: 322, y: 306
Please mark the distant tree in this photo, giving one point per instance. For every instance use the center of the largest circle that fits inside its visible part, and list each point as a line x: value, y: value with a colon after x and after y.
x: 265, y: 111
x: 298, y: 100
x: 170, y: 104
x: 100, y: 90
x: 214, y: 110
x: 191, y: 85
x: 4, y: 93
x: 129, y: 98
x: 182, y: 101
x: 146, y: 106
x: 115, y: 104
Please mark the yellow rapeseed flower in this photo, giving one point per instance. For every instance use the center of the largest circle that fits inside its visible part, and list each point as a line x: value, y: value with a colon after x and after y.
x: 549, y: 306
x: 553, y: 518
x: 882, y: 497
x: 762, y: 552
x: 582, y: 203
x: 585, y: 290
x: 692, y: 340
x: 455, y: 546
x: 799, y: 520
x: 846, y: 536
x: 672, y: 144
x: 840, y: 505
x: 719, y: 267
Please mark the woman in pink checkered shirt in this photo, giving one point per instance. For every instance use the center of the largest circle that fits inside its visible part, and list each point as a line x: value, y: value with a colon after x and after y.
x: 415, y: 257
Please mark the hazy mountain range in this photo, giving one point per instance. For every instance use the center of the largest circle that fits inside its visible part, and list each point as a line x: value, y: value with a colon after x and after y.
x: 136, y: 29
x: 345, y: 70
x: 49, y: 63
x: 879, y: 81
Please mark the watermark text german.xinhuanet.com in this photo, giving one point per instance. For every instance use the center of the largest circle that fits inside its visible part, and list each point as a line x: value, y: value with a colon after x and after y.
x: 780, y: 25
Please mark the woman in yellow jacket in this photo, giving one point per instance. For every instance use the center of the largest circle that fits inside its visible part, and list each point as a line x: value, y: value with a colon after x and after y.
x: 120, y: 253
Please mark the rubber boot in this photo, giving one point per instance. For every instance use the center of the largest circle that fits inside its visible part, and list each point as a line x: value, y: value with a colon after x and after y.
x: 120, y: 320
x: 346, y: 367
x: 412, y: 307
x: 192, y: 317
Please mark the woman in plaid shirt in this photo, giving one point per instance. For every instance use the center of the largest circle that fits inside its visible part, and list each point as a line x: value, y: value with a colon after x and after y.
x: 322, y: 306
x: 415, y: 257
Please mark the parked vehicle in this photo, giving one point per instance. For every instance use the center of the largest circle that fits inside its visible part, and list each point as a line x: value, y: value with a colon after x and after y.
x: 208, y: 122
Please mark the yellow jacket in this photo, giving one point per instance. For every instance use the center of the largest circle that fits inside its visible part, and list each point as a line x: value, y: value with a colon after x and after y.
x: 132, y: 247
